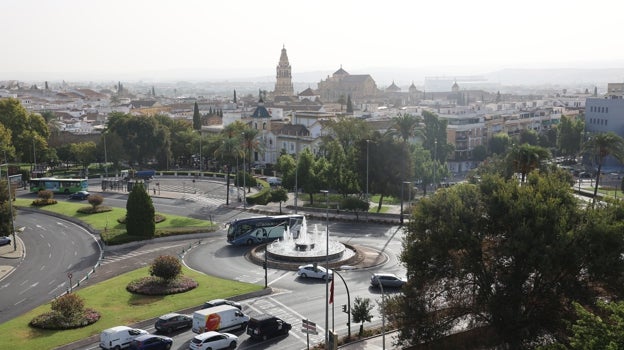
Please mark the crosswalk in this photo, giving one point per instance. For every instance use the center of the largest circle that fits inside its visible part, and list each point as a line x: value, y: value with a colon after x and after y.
x: 270, y: 305
x: 112, y: 256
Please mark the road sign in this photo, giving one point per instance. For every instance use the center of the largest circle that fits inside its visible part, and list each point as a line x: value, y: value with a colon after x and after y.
x: 308, y: 327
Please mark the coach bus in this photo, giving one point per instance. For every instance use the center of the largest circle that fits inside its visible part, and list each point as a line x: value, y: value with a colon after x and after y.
x: 57, y: 185
x: 262, y: 229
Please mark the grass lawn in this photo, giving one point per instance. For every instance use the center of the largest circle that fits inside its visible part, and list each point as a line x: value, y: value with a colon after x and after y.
x: 118, y: 307
x: 112, y: 230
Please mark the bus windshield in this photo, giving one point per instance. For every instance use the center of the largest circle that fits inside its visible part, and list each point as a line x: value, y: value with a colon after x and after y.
x: 263, y: 229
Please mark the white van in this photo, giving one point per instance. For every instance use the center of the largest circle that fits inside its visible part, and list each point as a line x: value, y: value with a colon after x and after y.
x: 219, y: 318
x: 119, y: 337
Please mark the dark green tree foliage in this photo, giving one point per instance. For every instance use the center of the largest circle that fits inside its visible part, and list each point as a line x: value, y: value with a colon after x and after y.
x: 526, y: 158
x: 498, y: 143
x: 166, y: 267
x: 389, y: 166
x: 340, y: 176
x: 435, y: 137
x: 196, y: 117
x: 140, y: 212
x: 529, y: 136
x: 570, y: 136
x: 361, y: 311
x: 279, y: 195
x: 5, y: 210
x: 355, y: 205
x: 349, y: 105
x: 508, y: 255
x: 143, y: 138
x: 234, y: 96
x: 27, y: 129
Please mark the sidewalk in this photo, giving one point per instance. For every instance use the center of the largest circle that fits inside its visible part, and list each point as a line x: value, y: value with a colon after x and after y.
x: 10, y: 255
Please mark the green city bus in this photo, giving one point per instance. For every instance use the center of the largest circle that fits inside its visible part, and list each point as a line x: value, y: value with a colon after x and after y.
x: 57, y: 185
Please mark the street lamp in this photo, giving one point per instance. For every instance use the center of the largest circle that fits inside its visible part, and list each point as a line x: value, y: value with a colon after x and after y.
x: 326, y: 192
x: 435, y: 165
x: 348, y: 305
x: 367, y: 143
x: 244, y: 176
x: 401, y: 215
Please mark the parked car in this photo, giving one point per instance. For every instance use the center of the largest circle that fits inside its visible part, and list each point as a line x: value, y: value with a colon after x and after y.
x: 5, y: 240
x: 151, y: 342
x: 314, y: 271
x: 267, y: 326
x: 388, y: 280
x: 81, y: 195
x: 213, y: 340
x: 173, y: 321
x: 217, y: 302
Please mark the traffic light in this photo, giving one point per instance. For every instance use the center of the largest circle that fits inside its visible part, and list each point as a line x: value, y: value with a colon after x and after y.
x: 344, y: 308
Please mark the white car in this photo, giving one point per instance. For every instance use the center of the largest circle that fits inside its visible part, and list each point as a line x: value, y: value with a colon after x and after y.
x: 314, y: 271
x: 213, y: 340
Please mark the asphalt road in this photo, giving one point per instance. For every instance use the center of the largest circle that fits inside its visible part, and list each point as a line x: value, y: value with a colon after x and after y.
x: 54, y: 248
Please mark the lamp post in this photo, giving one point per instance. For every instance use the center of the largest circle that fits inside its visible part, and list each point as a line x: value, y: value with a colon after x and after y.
x: 244, y: 176
x: 348, y: 304
x: 326, y: 192
x: 105, y: 156
x: 435, y: 165
x: 367, y: 143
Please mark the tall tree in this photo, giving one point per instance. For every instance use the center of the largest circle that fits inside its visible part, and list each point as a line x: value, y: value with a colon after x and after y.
x: 29, y: 131
x: 526, y: 158
x: 505, y: 255
x: 569, y: 136
x: 349, y: 105
x: 405, y: 126
x: 196, y: 117
x: 140, y: 212
x: 499, y: 142
x: 600, y: 146
x: 435, y: 137
x: 234, y: 96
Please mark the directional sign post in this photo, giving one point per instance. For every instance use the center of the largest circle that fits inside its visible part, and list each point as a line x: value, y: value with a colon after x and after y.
x: 308, y: 327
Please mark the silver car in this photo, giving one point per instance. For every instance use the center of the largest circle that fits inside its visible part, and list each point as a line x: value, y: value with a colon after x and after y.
x: 387, y: 280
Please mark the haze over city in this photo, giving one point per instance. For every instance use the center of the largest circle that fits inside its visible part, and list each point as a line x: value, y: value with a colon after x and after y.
x: 206, y: 40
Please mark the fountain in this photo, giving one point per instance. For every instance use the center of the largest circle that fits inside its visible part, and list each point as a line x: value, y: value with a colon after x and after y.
x: 307, y: 247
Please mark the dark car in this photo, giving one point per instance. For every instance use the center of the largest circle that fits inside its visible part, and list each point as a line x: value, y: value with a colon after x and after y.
x: 5, y: 240
x: 151, y: 342
x: 387, y: 280
x: 217, y: 302
x: 267, y: 326
x: 171, y: 322
x: 79, y: 195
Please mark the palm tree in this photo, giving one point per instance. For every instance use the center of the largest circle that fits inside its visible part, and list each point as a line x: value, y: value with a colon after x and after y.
x: 526, y: 158
x: 404, y: 126
x: 601, y: 146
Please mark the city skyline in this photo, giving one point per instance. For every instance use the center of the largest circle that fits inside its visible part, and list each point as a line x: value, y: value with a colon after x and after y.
x: 160, y: 40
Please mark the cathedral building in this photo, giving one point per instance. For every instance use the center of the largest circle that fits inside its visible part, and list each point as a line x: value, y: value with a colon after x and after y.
x: 342, y: 84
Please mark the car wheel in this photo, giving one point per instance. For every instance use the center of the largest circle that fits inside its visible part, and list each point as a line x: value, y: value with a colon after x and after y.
x: 249, y: 242
x: 233, y: 345
x: 117, y: 347
x: 304, y: 275
x: 168, y: 346
x: 169, y: 330
x: 264, y: 337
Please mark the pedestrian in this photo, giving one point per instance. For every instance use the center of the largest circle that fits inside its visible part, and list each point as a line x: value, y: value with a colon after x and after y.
x: 154, y: 191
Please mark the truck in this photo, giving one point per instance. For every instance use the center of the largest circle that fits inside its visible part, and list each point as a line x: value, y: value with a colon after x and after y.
x: 219, y: 318
x: 140, y: 174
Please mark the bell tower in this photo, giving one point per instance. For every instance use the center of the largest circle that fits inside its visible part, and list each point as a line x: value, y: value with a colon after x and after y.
x: 283, y: 84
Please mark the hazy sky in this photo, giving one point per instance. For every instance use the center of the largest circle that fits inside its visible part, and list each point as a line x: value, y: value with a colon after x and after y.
x: 220, y: 38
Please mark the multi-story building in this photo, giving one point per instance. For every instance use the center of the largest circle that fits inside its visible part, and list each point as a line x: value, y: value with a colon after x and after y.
x: 604, y: 114
x: 342, y: 84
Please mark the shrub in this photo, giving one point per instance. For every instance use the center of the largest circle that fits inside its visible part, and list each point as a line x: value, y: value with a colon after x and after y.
x: 69, y: 305
x: 166, y: 267
x: 95, y: 200
x: 45, y: 195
